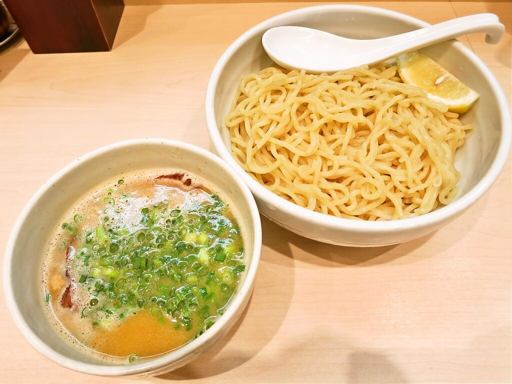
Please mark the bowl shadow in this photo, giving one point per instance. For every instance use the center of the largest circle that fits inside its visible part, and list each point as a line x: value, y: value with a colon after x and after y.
x: 353, y: 363
x: 309, y: 251
x: 350, y: 362
x: 322, y: 254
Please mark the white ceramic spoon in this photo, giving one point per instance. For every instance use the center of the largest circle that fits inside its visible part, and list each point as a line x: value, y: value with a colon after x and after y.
x: 319, y: 51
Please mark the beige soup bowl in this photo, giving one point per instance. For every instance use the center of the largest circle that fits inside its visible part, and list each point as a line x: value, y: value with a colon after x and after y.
x: 43, y: 213
x: 479, y: 161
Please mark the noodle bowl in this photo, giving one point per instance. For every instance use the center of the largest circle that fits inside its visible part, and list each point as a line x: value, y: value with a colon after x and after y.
x: 358, y: 144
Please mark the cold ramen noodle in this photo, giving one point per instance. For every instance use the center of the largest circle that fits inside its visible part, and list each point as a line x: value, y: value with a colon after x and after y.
x: 358, y: 144
x: 143, y: 265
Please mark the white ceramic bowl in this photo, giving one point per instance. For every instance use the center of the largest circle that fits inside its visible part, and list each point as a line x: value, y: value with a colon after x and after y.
x: 479, y: 161
x: 24, y: 250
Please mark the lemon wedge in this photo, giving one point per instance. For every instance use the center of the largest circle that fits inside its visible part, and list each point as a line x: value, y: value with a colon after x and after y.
x: 439, y: 84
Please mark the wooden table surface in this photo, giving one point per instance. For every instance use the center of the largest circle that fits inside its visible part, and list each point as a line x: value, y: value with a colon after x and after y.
x: 436, y: 310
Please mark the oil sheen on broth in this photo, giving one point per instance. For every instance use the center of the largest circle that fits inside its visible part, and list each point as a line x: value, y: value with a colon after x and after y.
x: 143, y: 265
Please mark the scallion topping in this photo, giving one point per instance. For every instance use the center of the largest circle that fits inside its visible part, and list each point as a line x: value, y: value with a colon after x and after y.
x: 183, y: 262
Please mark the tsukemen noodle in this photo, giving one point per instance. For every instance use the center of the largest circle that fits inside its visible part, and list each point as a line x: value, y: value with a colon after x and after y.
x: 359, y: 144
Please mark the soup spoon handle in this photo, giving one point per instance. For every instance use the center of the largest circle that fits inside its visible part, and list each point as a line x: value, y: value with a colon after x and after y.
x: 484, y: 22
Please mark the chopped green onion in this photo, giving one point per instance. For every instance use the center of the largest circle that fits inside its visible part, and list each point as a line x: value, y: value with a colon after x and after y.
x: 70, y: 228
x: 77, y: 218
x: 101, y: 235
x: 178, y: 262
x: 220, y: 255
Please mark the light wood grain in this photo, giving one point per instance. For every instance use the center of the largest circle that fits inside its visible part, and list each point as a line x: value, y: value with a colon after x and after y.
x: 435, y: 310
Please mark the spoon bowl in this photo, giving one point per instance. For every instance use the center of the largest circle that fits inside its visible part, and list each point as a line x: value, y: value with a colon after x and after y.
x: 318, y: 51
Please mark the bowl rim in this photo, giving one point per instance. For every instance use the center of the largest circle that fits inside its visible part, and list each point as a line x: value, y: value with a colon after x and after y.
x: 174, y: 355
x: 338, y: 223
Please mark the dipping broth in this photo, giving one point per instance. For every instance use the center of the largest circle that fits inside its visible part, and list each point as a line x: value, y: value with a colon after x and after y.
x: 143, y: 265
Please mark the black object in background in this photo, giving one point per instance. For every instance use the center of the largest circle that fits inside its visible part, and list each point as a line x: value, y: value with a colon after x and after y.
x: 58, y: 26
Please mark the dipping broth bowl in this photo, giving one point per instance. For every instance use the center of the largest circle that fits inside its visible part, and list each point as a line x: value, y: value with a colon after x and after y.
x: 32, y: 231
